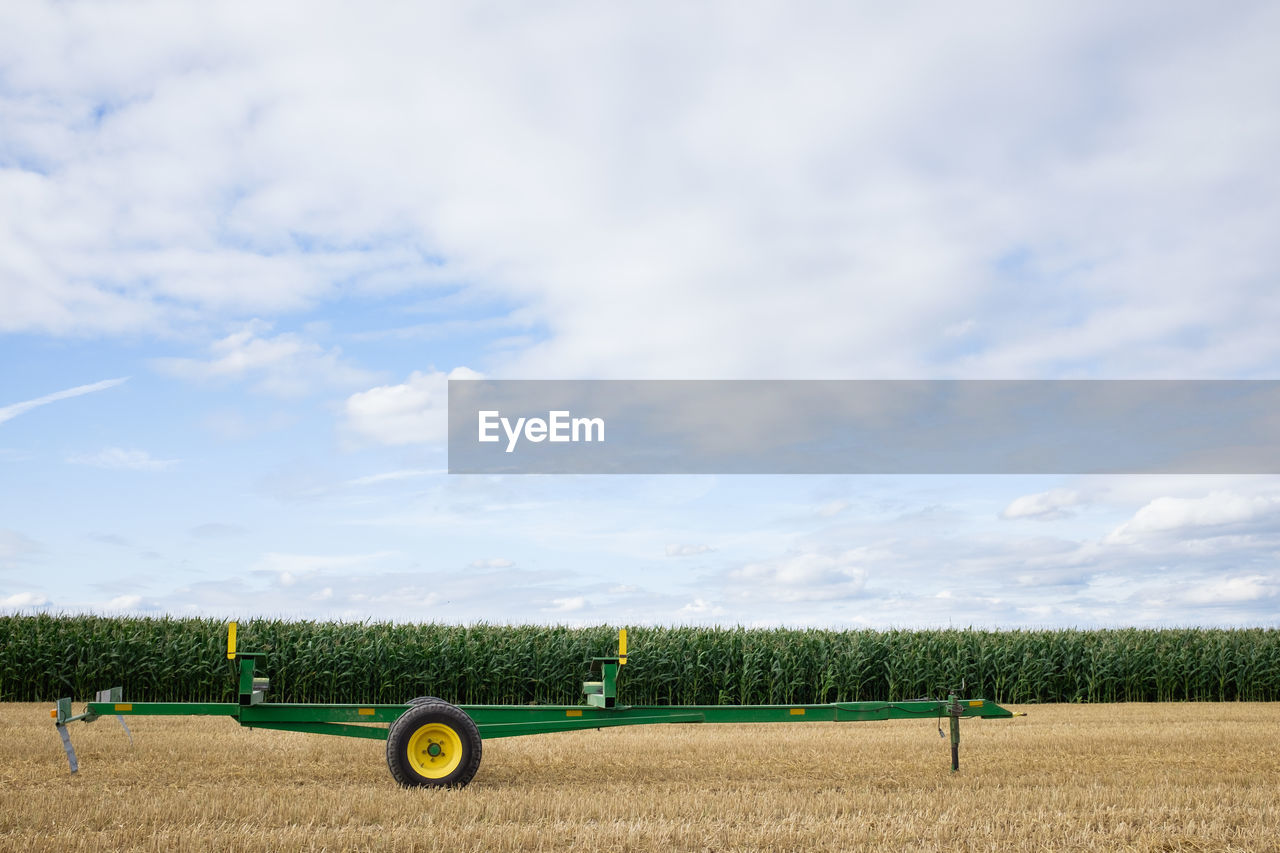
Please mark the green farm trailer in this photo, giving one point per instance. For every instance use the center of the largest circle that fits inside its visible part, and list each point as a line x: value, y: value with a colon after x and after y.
x: 433, y: 743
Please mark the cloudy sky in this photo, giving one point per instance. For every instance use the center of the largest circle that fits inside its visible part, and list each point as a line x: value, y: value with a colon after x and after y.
x: 243, y: 247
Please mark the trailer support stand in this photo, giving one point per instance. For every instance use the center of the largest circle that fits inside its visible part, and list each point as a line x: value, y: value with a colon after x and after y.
x: 954, y: 710
x: 67, y: 747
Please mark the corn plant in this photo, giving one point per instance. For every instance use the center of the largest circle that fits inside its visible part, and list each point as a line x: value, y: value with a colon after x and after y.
x: 45, y: 656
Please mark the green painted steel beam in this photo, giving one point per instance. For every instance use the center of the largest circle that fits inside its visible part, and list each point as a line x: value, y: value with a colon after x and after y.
x: 298, y: 712
x: 165, y: 709
x: 987, y: 710
x: 515, y: 728
x: 511, y: 718
x: 343, y: 729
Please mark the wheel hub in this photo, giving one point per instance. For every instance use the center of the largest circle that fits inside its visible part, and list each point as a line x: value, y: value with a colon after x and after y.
x: 434, y: 750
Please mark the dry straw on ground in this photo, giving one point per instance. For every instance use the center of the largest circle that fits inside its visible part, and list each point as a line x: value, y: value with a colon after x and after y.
x: 1091, y: 777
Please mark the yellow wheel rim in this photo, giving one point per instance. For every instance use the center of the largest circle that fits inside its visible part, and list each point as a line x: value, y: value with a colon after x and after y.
x: 435, y: 750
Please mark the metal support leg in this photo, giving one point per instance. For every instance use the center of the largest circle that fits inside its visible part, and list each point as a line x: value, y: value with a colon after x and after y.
x: 66, y: 745
x: 955, y: 711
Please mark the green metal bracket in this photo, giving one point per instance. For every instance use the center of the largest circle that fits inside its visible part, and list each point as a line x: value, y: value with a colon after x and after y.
x: 252, y: 689
x: 603, y: 693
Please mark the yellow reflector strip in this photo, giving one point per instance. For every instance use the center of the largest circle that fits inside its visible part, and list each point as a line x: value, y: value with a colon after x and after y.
x: 365, y: 712
x: 231, y: 641
x: 976, y: 703
x: 124, y: 707
x: 573, y: 713
x: 797, y: 712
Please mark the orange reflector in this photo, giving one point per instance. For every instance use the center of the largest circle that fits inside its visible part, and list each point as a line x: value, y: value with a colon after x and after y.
x: 797, y: 712
x: 365, y: 712
x: 124, y: 707
x: 573, y: 713
x: 53, y: 713
x: 976, y: 703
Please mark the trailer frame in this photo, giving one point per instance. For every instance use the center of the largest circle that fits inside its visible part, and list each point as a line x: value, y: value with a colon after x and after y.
x: 459, y: 729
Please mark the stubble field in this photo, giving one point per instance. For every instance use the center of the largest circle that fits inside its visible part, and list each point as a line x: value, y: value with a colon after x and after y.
x: 1068, y: 777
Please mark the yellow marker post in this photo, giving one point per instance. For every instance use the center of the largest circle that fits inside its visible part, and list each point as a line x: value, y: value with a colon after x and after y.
x: 622, y: 646
x: 231, y: 641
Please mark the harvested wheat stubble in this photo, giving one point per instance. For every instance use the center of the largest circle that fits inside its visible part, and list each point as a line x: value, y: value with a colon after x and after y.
x: 1068, y: 777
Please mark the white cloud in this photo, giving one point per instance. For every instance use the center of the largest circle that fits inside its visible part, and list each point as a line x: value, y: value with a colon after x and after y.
x: 1233, y: 590
x: 274, y: 562
x: 110, y: 539
x: 412, y: 412
x: 286, y: 365
x: 1043, y: 506
x: 678, y: 550
x: 231, y: 425
x: 1213, y: 514
x: 217, y: 530
x: 124, y: 602
x: 393, y: 476
x: 571, y: 604
x: 117, y: 458
x: 290, y: 568
x: 700, y: 608
x: 493, y: 563
x: 832, y: 509
x: 802, y: 577
x: 227, y: 168
x: 15, y: 546
x: 23, y: 599
x: 14, y: 409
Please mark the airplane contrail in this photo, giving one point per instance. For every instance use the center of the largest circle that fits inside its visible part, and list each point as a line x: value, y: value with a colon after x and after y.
x: 14, y: 409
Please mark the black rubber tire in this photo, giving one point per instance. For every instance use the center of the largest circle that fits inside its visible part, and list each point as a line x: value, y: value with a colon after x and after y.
x: 418, y: 700
x: 440, y: 713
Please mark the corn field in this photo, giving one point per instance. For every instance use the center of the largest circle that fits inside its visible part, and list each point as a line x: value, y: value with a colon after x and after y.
x: 43, y: 657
